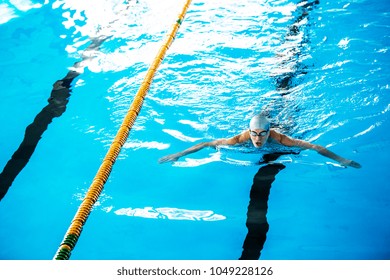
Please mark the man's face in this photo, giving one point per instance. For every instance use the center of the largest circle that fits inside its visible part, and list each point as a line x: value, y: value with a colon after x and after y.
x: 259, y: 137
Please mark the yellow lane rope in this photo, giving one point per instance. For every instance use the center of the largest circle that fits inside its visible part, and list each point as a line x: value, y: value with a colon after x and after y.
x: 85, y: 208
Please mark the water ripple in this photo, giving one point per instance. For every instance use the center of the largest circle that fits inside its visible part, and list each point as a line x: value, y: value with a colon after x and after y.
x: 232, y: 60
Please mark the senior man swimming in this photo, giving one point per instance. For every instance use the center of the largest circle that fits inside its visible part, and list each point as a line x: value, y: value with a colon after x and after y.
x: 260, y: 134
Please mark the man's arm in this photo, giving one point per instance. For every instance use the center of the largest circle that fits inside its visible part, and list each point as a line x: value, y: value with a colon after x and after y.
x: 223, y: 141
x: 291, y: 142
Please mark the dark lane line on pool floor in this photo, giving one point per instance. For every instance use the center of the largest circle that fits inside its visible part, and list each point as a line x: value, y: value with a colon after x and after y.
x: 256, y: 221
x: 59, y: 98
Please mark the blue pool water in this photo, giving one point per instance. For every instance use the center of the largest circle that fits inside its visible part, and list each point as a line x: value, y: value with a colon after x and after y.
x: 318, y: 68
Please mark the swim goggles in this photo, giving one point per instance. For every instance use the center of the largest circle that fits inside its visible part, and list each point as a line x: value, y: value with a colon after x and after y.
x: 260, y: 134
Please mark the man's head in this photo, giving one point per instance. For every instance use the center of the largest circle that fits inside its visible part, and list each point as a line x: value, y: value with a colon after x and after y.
x: 259, y: 127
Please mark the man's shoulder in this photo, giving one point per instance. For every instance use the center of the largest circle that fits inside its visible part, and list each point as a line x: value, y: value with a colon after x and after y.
x: 243, y: 136
x: 239, y: 138
x: 273, y: 133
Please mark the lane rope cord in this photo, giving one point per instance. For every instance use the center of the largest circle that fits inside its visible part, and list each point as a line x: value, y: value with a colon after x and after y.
x: 72, y: 235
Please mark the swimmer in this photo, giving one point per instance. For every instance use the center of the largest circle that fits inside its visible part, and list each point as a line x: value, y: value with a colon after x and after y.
x: 260, y: 133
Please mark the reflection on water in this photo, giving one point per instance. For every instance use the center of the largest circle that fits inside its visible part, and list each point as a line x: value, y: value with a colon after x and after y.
x: 15, y: 9
x: 171, y: 214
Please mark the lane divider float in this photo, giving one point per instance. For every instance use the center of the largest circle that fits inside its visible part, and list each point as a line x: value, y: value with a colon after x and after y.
x: 72, y: 235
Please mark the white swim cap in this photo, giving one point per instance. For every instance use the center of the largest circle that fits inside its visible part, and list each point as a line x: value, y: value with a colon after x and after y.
x: 259, y: 122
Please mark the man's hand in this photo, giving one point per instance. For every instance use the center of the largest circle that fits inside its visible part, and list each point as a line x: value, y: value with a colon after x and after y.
x: 169, y: 158
x: 348, y: 162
